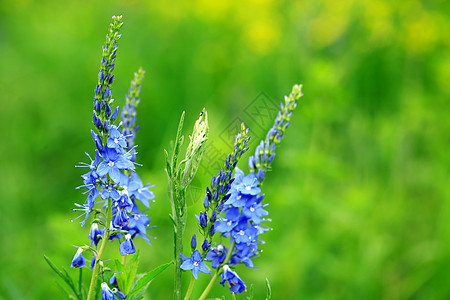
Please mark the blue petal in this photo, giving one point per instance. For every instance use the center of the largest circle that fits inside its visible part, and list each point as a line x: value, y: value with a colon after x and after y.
x: 187, y: 265
x: 102, y: 168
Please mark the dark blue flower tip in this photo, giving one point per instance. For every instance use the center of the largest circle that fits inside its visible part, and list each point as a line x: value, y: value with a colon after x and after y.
x: 203, y: 219
x: 213, y: 216
x: 206, y: 201
x: 260, y: 175
x: 227, y: 162
x: 205, y: 245
x: 107, y: 293
x: 96, y: 105
x: 193, y: 242
x: 113, y: 280
x: 208, y: 193
x: 212, y: 231
x: 108, y: 110
x: 127, y: 246
x: 93, y: 262
x: 78, y: 260
x: 114, y: 114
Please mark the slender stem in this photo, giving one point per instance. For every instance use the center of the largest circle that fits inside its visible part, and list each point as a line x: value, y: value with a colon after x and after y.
x: 219, y: 271
x: 100, y: 251
x: 179, y: 228
x: 189, y: 291
x: 124, y: 259
x: 80, y: 279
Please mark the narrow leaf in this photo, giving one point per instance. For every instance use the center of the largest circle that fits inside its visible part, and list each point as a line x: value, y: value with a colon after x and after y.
x: 64, y: 277
x: 131, y: 270
x: 68, y: 296
x: 148, y: 277
x: 250, y: 296
x: 269, y: 290
x: 121, y: 276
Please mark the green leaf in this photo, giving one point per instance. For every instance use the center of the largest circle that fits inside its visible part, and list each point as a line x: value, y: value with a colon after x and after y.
x: 250, y: 296
x: 269, y: 290
x: 144, y: 280
x: 131, y: 269
x: 121, y: 276
x: 178, y: 142
x: 168, y: 166
x: 66, y: 277
x: 68, y: 295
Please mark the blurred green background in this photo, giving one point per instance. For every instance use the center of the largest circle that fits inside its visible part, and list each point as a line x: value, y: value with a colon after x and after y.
x: 358, y: 194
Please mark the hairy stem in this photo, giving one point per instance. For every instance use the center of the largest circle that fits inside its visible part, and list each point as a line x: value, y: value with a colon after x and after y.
x: 179, y: 229
x: 100, y: 251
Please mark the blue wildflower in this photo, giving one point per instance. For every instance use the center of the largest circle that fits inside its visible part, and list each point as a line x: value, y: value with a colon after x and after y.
x: 116, y: 139
x: 247, y: 185
x: 107, y: 293
x: 139, y: 191
x: 193, y: 242
x: 217, y: 255
x: 194, y: 263
x: 120, y: 219
x: 95, y: 234
x: 112, y: 164
x: 244, y: 234
x: 78, y: 260
x: 138, y: 224
x: 119, y: 294
x: 127, y: 246
x: 235, y: 283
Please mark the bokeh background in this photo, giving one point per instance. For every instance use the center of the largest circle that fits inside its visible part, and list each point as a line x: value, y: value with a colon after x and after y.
x: 359, y: 193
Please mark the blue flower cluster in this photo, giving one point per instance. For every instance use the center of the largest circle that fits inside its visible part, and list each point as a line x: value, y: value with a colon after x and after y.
x: 112, y: 181
x: 217, y: 194
x: 261, y: 161
x: 244, y: 210
x: 128, y: 115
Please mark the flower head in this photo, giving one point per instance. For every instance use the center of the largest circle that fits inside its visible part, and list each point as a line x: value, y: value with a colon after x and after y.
x: 78, y: 260
x: 107, y: 293
x: 127, y: 246
x: 234, y: 281
x: 95, y: 234
x: 194, y: 263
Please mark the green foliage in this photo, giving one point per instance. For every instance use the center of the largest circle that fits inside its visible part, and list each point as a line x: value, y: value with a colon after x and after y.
x: 146, y: 278
x: 77, y: 289
x: 358, y: 193
x: 269, y: 290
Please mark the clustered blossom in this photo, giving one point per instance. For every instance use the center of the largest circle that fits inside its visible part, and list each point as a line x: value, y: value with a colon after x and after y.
x: 243, y: 211
x: 214, y: 202
x: 112, y: 181
x: 128, y: 115
x: 260, y: 162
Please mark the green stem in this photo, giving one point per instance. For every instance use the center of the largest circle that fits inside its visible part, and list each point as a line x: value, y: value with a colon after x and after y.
x: 219, y: 271
x: 124, y: 259
x: 80, y: 280
x: 100, y: 251
x: 189, y: 291
x: 179, y: 228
